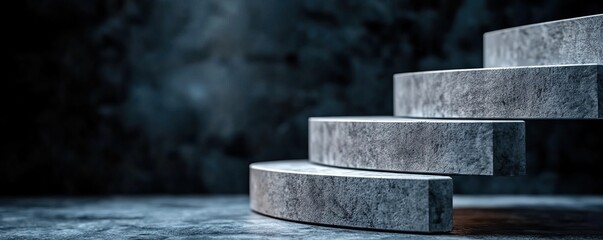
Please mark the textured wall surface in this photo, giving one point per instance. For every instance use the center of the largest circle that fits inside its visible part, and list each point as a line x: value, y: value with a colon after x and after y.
x: 180, y: 96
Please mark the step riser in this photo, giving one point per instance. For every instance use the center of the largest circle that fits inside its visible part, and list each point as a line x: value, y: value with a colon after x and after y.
x: 572, y: 41
x: 563, y: 92
x: 356, y: 199
x: 463, y: 147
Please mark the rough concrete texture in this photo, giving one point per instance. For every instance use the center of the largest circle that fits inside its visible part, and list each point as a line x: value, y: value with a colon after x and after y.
x: 570, y: 41
x: 301, y: 191
x: 564, y: 92
x: 464, y: 147
x: 221, y: 217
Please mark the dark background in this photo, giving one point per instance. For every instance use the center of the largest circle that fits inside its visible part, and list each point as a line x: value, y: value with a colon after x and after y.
x: 141, y: 97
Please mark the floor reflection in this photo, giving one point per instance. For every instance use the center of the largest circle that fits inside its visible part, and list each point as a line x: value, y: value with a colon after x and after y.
x: 528, y: 221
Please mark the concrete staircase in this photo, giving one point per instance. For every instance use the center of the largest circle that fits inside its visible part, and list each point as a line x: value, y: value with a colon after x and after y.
x: 364, y: 172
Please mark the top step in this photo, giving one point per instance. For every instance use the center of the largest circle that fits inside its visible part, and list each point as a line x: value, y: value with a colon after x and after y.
x: 568, y: 41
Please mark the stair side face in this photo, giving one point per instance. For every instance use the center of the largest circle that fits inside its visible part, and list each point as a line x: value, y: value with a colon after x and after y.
x: 570, y: 41
x: 305, y: 192
x: 440, y: 216
x: 434, y: 146
x: 510, y: 148
x: 547, y: 92
x: 600, y: 91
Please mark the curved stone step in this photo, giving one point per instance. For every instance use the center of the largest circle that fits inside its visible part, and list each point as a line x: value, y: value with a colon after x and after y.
x: 301, y: 191
x: 569, y: 41
x: 438, y: 146
x: 564, y: 92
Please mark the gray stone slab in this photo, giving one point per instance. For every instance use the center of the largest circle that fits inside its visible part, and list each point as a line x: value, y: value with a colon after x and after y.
x: 439, y: 146
x: 301, y: 191
x: 561, y: 92
x: 570, y: 41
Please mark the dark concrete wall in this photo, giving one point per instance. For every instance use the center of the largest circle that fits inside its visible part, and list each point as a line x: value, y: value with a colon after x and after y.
x: 180, y: 96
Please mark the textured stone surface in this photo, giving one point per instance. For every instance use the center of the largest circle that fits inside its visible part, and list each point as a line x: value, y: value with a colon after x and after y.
x: 221, y: 217
x: 568, y: 91
x: 301, y: 191
x: 465, y: 147
x: 569, y: 41
x: 152, y: 96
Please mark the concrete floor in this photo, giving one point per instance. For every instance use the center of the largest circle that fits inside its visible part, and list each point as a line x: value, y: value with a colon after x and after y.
x: 229, y: 217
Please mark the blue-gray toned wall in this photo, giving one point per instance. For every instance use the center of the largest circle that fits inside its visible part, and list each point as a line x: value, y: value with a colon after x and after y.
x: 108, y: 97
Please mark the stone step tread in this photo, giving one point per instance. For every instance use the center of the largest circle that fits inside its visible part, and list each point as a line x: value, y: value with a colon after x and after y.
x: 535, y: 92
x: 300, y: 191
x: 569, y: 41
x: 434, y: 146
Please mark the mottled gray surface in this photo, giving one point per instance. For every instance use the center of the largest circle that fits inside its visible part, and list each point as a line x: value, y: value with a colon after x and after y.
x: 301, y: 191
x: 564, y: 91
x: 161, y: 96
x: 569, y: 41
x: 186, y: 217
x: 464, y: 147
